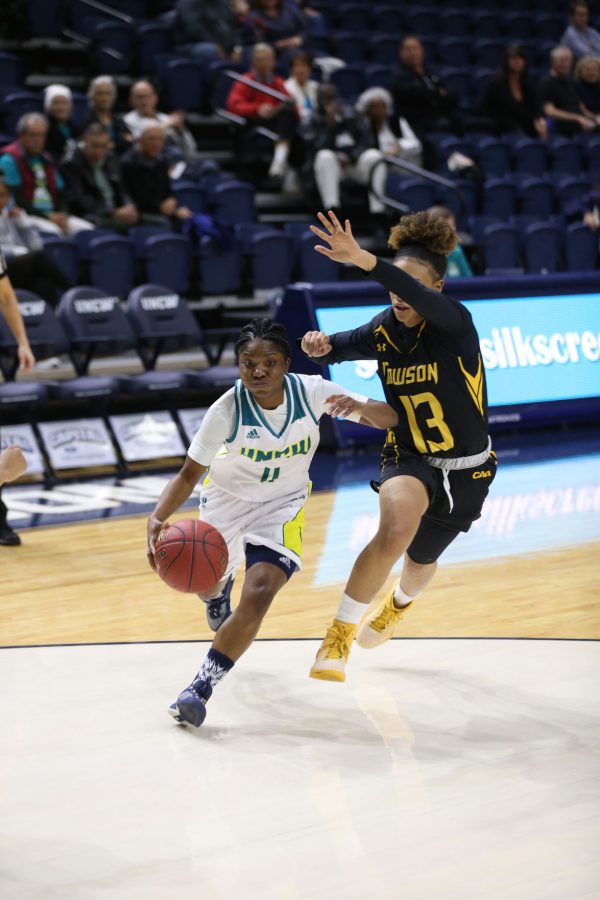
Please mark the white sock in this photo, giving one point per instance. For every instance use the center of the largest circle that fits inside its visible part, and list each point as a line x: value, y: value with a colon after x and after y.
x: 401, y: 598
x: 280, y: 157
x: 350, y: 611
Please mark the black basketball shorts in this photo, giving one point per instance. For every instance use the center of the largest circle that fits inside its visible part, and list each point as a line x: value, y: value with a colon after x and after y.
x: 440, y: 525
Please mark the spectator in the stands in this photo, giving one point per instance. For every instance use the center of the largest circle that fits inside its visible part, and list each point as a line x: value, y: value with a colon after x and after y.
x: 242, y: 17
x: 511, y: 99
x: 422, y: 98
x: 28, y: 266
x: 340, y: 145
x: 207, y: 31
x: 34, y: 179
x: 393, y: 136
x: 301, y: 86
x: 579, y: 37
x: 587, y: 81
x: 560, y: 100
x: 280, y: 24
x: 458, y: 265
x: 585, y: 208
x: 145, y: 172
x: 102, y: 96
x: 93, y: 183
x: 144, y: 100
x: 62, y: 131
x: 259, y: 108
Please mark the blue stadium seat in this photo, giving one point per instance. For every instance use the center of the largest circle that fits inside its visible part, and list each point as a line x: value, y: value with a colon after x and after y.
x: 95, y: 325
x: 246, y: 231
x: 111, y: 264
x: 63, y: 251
x: 184, y: 83
x: 44, y: 331
x: 419, y: 20
x: 272, y: 255
x: 11, y: 72
x: 501, y: 247
x: 581, y: 248
x: 44, y: 17
x: 530, y: 156
x: 454, y: 51
x: 518, y: 26
x: 383, y: 50
x: 592, y: 156
x: 499, y: 198
x: 152, y: 38
x: 377, y: 75
x: 80, y: 109
x: 168, y: 259
x: 567, y: 156
x: 542, y: 245
x: 388, y: 18
x: 139, y: 234
x: 567, y: 189
x: 536, y: 198
x: 314, y: 266
x: 457, y: 79
x: 234, y: 202
x: 486, y: 23
x: 220, y: 270
x: 83, y: 239
x: 113, y: 46
x: 16, y: 105
x: 494, y: 157
x: 190, y: 194
x: 469, y: 193
x: 549, y: 27
x: 350, y: 47
x: 22, y: 395
x: 350, y: 82
x: 478, y: 223
x: 488, y: 52
x: 416, y: 193
x: 454, y: 22
x: 162, y: 323
x: 354, y: 17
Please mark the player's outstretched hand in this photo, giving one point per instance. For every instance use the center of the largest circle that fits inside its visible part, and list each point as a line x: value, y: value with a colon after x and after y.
x: 155, y: 526
x: 316, y: 343
x: 342, y: 246
x: 342, y: 406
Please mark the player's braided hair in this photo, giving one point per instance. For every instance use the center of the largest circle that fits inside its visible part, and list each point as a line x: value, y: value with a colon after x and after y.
x: 424, y: 237
x: 266, y: 330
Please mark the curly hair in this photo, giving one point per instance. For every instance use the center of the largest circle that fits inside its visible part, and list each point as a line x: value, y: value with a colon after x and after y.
x: 264, y: 330
x: 424, y: 237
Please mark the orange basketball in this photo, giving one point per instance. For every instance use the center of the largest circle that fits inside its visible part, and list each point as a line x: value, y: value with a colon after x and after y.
x: 191, y: 556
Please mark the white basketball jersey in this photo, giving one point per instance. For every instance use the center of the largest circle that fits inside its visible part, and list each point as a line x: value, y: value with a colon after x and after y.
x: 255, y: 462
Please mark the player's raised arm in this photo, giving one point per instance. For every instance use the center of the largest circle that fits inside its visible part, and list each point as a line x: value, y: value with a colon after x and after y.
x: 370, y: 412
x: 439, y: 310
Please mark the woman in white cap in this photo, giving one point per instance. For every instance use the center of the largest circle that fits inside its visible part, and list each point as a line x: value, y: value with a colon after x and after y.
x: 392, y: 137
x: 62, y: 131
x: 102, y: 96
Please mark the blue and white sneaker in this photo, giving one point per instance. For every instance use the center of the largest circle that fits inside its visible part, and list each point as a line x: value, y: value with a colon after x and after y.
x: 219, y: 609
x: 190, y: 706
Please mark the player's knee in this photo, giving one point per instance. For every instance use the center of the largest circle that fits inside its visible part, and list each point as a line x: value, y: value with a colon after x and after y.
x: 393, y: 539
x: 257, y: 598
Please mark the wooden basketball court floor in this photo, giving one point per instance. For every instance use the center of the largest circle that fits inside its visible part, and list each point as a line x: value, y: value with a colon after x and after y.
x: 459, y: 761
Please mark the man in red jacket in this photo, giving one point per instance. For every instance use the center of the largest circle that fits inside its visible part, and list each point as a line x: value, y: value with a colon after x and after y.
x: 262, y: 109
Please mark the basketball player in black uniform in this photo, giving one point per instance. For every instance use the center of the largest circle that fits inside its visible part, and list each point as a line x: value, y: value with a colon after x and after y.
x: 436, y: 464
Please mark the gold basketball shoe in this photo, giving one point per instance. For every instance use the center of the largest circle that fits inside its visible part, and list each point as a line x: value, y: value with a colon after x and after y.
x: 380, y: 624
x: 332, y: 655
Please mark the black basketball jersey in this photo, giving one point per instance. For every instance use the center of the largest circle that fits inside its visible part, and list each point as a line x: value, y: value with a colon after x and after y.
x: 432, y: 374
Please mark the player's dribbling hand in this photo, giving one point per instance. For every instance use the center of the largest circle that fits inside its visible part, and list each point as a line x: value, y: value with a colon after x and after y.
x: 154, y: 527
x: 316, y: 343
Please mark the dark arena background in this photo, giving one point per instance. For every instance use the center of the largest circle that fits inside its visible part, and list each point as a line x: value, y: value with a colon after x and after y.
x: 160, y: 165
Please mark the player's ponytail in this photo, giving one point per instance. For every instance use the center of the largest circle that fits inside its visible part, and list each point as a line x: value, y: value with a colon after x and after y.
x: 424, y: 237
x: 265, y: 330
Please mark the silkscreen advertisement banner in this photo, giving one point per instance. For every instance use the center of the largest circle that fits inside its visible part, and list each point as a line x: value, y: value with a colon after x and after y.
x: 147, y: 436
x: 535, y: 349
x: 23, y: 437
x: 78, y: 444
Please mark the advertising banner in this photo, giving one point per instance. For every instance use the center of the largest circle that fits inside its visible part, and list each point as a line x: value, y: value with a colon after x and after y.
x: 191, y: 419
x: 78, y: 444
x: 147, y: 436
x: 23, y: 437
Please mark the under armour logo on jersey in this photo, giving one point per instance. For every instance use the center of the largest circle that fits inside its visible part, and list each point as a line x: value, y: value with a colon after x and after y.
x: 253, y: 434
x: 381, y: 348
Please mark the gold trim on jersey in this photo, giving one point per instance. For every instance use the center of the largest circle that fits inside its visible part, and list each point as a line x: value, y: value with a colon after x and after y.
x: 381, y: 330
x: 292, y: 533
x: 474, y: 383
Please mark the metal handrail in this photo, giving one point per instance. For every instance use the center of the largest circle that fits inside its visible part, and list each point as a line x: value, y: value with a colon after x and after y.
x: 419, y: 173
x: 87, y: 42
x: 257, y: 85
x: 109, y: 10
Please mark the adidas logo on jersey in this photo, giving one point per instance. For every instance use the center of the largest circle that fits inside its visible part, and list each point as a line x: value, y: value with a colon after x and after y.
x: 285, y: 560
x: 252, y: 434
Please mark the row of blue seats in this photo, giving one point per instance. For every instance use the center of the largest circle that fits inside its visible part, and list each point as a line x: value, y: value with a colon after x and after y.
x: 499, y: 156
x: 503, y: 196
x: 555, y: 7
x: 91, y: 324
x: 537, y: 247
x: 259, y: 254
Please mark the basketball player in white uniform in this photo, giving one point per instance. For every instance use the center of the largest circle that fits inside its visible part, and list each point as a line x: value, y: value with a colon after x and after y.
x: 254, y: 449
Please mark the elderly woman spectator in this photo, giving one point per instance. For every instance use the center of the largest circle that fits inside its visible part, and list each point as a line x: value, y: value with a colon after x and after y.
x: 587, y: 82
x: 392, y: 136
x: 560, y: 99
x: 511, y: 99
x: 62, y: 131
x: 579, y: 37
x: 102, y: 96
x: 301, y: 86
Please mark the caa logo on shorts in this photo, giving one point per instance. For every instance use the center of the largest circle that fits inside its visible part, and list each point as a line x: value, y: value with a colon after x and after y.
x: 483, y: 474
